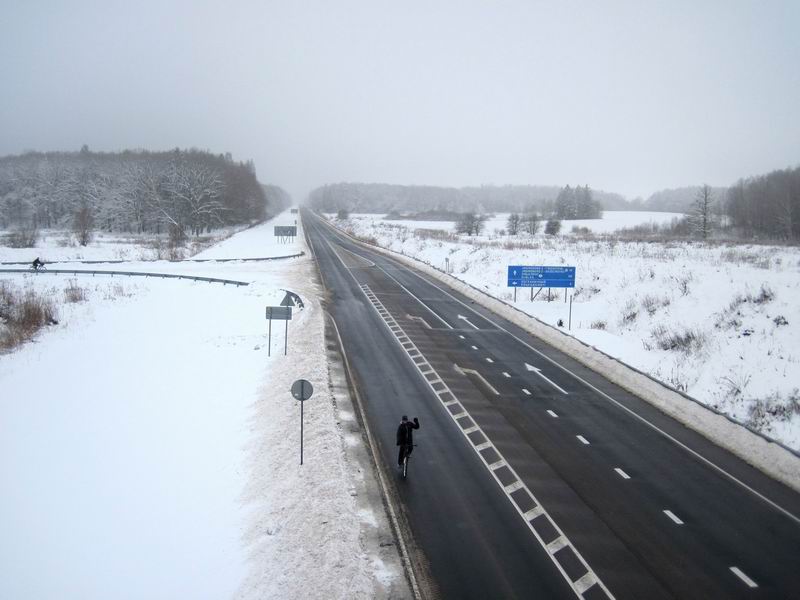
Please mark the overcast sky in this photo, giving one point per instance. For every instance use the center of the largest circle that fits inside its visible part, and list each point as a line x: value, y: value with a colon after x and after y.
x: 629, y: 97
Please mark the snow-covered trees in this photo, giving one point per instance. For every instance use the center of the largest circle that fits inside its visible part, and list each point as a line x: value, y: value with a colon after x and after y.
x: 183, y: 192
x: 577, y: 203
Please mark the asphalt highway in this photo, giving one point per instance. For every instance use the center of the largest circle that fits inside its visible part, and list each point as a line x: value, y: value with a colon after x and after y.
x: 533, y: 476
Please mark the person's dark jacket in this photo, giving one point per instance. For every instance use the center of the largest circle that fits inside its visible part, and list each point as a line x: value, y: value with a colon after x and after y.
x: 405, y: 433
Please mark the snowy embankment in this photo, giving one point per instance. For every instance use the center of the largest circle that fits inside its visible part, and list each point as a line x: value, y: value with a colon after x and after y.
x: 718, y: 322
x: 149, y: 446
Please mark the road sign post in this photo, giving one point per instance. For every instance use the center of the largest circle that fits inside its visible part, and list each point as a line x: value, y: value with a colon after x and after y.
x: 302, y: 391
x: 279, y: 313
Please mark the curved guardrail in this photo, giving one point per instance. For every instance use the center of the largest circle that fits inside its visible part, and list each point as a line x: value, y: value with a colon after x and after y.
x: 125, y: 273
x: 117, y: 262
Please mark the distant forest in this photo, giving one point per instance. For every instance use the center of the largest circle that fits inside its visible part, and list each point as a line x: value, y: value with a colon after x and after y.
x: 180, y: 192
x: 766, y: 206
x: 386, y: 198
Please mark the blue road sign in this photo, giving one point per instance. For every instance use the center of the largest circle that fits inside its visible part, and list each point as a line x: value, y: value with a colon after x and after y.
x: 541, y: 277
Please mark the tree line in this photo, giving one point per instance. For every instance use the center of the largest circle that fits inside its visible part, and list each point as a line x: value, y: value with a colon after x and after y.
x: 387, y: 198
x: 180, y: 192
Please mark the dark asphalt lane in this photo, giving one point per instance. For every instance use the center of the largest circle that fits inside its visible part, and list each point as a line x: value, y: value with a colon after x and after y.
x: 476, y: 543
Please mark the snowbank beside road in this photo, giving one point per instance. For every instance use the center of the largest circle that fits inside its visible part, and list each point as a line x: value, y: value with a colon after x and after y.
x: 149, y: 446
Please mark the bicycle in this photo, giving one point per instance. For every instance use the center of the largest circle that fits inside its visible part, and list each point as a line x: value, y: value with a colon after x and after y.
x: 37, y: 268
x: 406, y: 458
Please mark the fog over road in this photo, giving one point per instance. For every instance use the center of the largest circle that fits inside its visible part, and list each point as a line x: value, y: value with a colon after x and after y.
x: 534, y: 475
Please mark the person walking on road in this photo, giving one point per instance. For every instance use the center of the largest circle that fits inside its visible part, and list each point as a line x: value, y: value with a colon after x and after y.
x: 405, y: 438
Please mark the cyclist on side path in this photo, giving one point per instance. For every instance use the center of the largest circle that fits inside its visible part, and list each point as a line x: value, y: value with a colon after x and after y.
x: 36, y: 264
x: 405, y: 438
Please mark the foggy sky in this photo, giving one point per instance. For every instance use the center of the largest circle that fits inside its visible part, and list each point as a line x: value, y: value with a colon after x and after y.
x: 629, y: 97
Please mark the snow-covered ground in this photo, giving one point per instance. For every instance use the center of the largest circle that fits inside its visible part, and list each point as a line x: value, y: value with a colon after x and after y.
x: 719, y: 322
x: 612, y: 221
x: 149, y: 446
x: 60, y: 246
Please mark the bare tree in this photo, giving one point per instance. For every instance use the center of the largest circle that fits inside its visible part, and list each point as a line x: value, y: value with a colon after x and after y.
x: 702, y: 216
x: 531, y: 223
x: 513, y: 224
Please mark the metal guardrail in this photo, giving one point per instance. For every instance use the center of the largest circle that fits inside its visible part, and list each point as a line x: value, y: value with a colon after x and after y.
x: 125, y: 273
x: 116, y: 262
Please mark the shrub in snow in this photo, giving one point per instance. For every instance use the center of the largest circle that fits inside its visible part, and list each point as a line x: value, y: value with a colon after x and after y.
x: 630, y: 312
x: 687, y: 340
x: 780, y: 320
x: 762, y: 413
x: 552, y: 227
x: 22, y: 315
x: 74, y: 293
x: 598, y: 325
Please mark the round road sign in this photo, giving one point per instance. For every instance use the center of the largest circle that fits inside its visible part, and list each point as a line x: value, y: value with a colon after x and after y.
x: 302, y: 390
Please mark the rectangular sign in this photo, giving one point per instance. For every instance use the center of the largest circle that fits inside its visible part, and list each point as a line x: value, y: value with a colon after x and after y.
x: 279, y: 313
x: 285, y: 231
x: 541, y: 277
x: 294, y: 211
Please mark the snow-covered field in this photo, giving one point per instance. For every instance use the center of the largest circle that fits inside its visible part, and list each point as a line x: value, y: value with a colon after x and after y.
x: 149, y: 446
x: 611, y: 222
x: 719, y: 322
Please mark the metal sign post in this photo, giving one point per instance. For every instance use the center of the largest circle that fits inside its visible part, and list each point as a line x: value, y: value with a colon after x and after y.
x: 302, y: 391
x: 279, y: 313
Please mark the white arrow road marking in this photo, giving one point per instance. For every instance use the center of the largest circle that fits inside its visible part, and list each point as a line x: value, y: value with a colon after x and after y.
x: 479, y: 376
x: 539, y: 373
x: 463, y: 318
x: 420, y: 319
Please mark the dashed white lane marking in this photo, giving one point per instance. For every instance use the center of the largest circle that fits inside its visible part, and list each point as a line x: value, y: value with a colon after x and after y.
x: 505, y: 374
x: 622, y: 473
x: 552, y: 414
x: 474, y: 347
x: 618, y: 404
x: 672, y: 516
x: 527, y: 393
x: 489, y: 360
x: 537, y: 519
x: 582, y: 439
x: 462, y: 337
x: 738, y: 572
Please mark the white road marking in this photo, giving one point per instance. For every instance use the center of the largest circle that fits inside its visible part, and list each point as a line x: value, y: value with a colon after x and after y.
x: 552, y: 414
x: 538, y: 512
x: 479, y: 376
x: 461, y: 336
x: 582, y: 439
x: 618, y: 404
x: 527, y: 393
x: 420, y: 319
x: 738, y: 572
x: 539, y: 373
x: 407, y: 291
x: 472, y: 429
x: 672, y: 516
x: 496, y: 465
x: 474, y: 347
x: 483, y: 446
x: 622, y: 473
x: 463, y: 318
x: 505, y: 374
x: 489, y: 360
x: 556, y: 545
